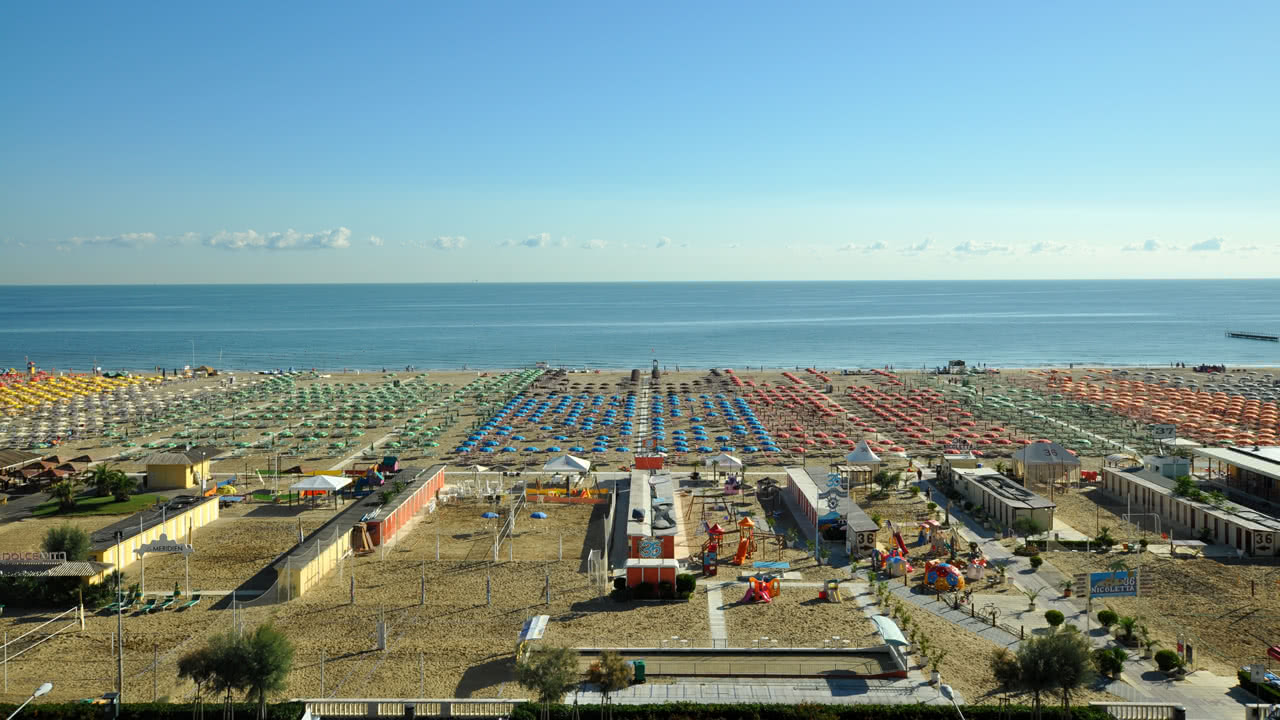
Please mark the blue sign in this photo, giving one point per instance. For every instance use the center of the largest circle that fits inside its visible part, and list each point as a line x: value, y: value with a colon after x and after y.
x: 1120, y: 583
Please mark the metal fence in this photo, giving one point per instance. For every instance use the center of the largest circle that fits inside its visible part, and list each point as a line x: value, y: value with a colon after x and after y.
x: 422, y: 707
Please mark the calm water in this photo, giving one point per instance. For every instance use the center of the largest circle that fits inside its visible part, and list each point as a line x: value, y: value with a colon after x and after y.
x: 828, y: 324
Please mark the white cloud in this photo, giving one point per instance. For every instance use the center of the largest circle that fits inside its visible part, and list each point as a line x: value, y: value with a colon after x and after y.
x: 1150, y: 245
x: 1212, y: 244
x: 449, y: 242
x: 375, y: 241
x: 126, y: 240
x: 594, y: 245
x: 1045, y: 246
x: 876, y: 246
x: 538, y: 241
x: 847, y: 247
x: 663, y: 242
x: 873, y: 247
x: 288, y: 240
x: 969, y: 247
x: 920, y: 247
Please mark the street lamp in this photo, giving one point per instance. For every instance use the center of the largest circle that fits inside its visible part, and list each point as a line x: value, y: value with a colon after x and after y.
x: 193, y: 357
x: 948, y: 694
x: 39, y: 691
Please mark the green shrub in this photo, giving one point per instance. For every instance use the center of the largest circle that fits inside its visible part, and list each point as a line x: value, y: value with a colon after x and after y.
x: 699, y: 711
x: 1036, y: 562
x: 1054, y: 618
x: 666, y: 589
x: 1167, y: 660
x: 645, y: 591
x: 686, y: 582
x: 1107, y: 618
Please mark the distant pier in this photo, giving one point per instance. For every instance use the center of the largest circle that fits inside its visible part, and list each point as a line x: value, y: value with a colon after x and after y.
x: 1253, y: 336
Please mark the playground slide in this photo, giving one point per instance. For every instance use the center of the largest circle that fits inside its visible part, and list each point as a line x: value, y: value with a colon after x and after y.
x: 741, y: 555
x: 897, y: 539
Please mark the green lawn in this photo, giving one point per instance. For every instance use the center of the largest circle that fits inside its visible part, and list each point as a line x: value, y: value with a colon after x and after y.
x: 98, y: 506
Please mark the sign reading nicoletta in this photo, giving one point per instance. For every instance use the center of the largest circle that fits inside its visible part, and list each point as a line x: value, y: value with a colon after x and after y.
x: 1119, y: 583
x: 163, y: 544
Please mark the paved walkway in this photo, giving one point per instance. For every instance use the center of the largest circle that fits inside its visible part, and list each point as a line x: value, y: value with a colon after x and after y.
x: 715, y: 616
x: 1206, y: 696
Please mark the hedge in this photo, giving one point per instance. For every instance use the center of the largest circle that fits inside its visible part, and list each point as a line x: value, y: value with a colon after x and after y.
x: 804, y: 711
x: 1265, y: 693
x: 151, y: 711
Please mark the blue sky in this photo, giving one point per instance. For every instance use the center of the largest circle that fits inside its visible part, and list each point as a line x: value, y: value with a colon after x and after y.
x: 262, y: 142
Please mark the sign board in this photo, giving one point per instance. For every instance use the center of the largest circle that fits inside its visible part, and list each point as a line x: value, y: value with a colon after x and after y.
x: 163, y: 544
x: 1080, y: 584
x: 1118, y: 583
x: 14, y: 558
x: 1164, y: 432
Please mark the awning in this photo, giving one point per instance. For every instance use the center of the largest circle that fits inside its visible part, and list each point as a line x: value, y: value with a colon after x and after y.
x: 888, y: 630
x: 724, y: 460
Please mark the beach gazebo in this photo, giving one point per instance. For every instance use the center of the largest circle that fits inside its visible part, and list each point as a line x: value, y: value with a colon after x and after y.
x: 1046, y: 463
x: 566, y: 464
x: 328, y: 484
x: 723, y: 461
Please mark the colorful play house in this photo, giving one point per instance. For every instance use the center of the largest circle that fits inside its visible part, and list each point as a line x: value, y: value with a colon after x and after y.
x: 651, y: 529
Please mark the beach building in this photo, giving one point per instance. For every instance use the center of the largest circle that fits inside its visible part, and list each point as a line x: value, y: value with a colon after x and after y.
x: 1251, y: 472
x: 1146, y: 492
x: 1046, y: 463
x: 1004, y: 499
x: 820, y: 498
x: 13, y: 462
x: 176, y: 520
x: 651, y: 529
x: 1170, y: 466
x: 179, y: 470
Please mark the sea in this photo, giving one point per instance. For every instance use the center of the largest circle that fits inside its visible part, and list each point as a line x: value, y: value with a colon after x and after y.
x: 828, y: 325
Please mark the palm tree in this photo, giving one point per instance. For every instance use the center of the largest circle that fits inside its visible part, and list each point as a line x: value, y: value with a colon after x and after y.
x: 100, y: 476
x: 121, y: 486
x: 64, y: 492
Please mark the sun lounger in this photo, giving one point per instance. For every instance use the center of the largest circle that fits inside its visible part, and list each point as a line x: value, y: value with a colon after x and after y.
x: 194, y: 601
x: 168, y: 603
x: 147, y: 606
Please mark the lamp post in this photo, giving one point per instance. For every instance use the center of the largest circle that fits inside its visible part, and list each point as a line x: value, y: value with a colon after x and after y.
x: 119, y: 623
x: 948, y: 694
x: 38, y: 692
x: 193, y: 357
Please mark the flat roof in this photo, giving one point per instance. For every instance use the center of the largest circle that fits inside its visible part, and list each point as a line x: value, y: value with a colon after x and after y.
x: 809, y: 479
x: 10, y: 459
x: 138, y: 522
x: 1008, y: 491
x: 1251, y: 519
x: 654, y: 493
x: 1265, y: 460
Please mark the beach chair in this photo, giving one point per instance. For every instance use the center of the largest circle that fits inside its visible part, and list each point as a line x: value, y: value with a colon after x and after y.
x: 194, y: 601
x: 166, y: 604
x: 147, y: 607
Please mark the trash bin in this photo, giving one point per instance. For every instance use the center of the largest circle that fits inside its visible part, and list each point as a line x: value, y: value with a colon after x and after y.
x: 1179, y: 713
x: 410, y: 710
x: 639, y: 664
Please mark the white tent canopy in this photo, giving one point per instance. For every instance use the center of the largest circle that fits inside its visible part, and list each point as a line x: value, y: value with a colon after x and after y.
x: 567, y: 463
x: 862, y: 455
x: 1045, y: 453
x: 725, y: 461
x: 326, y: 483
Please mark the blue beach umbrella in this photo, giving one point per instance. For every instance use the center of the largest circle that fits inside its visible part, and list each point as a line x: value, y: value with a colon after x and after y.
x: 489, y: 515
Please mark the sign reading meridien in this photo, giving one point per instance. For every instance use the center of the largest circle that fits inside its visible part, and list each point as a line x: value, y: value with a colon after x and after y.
x: 1118, y: 583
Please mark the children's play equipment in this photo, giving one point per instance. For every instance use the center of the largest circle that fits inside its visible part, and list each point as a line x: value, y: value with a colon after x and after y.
x: 371, y: 479
x: 938, y: 540
x: 897, y: 539
x: 977, y: 568
x: 746, y: 531
x: 830, y: 591
x: 711, y: 550
x: 762, y: 589
x: 943, y: 576
x: 894, y: 562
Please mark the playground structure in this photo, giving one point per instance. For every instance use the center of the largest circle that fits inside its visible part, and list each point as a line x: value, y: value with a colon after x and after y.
x: 895, y: 562
x: 943, y: 576
x: 940, y: 541
x: 762, y: 589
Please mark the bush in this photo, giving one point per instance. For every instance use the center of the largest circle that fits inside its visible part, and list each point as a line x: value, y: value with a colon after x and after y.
x: 686, y: 582
x: 700, y: 711
x: 645, y: 591
x: 1265, y: 692
x: 69, y: 539
x: 915, y: 490
x: 1110, y: 661
x: 1107, y: 618
x: 666, y: 589
x: 619, y: 583
x: 1054, y: 618
x: 1167, y: 660
x: 932, y: 506
x: 1036, y: 562
x: 621, y: 594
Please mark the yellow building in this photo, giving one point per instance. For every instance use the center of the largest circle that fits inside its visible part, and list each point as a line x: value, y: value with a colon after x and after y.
x: 179, y: 470
x: 179, y: 519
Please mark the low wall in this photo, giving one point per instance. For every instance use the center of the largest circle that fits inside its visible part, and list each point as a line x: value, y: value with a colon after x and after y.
x: 304, y: 572
x: 421, y: 488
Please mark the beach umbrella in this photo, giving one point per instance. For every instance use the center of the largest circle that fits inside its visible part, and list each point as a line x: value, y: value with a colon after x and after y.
x: 490, y: 515
x: 538, y: 515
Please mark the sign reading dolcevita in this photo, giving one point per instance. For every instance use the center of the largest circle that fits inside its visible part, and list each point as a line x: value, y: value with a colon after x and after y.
x: 163, y: 544
x: 32, y: 557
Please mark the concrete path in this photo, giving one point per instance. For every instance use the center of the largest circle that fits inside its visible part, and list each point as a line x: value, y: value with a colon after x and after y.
x: 715, y: 616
